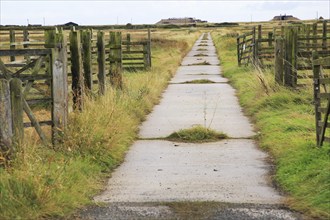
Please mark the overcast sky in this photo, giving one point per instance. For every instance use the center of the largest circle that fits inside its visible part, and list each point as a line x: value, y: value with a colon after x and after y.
x: 148, y: 12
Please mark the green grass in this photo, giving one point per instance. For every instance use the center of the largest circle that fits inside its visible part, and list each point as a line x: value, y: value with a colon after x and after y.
x: 48, y: 183
x: 196, y: 134
x: 199, y: 81
x: 285, y: 119
x: 200, y: 55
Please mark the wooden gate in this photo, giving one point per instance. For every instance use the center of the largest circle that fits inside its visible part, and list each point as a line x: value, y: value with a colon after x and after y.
x: 321, y: 99
x: 41, y: 81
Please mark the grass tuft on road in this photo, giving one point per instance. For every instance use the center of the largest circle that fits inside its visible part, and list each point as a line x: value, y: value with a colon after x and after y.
x: 196, y: 134
x: 285, y: 120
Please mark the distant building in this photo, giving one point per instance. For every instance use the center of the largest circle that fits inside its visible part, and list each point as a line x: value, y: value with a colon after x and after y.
x: 285, y: 18
x: 70, y: 24
x: 180, y: 21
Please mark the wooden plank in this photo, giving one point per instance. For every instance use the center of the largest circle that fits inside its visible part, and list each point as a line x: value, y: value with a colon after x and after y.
x: 76, y: 70
x: 41, y: 123
x: 149, y: 47
x: 101, y: 62
x: 322, y: 61
x: 115, y: 57
x: 324, y: 35
x: 133, y: 52
x: 25, y: 52
x: 34, y: 121
x: 17, y: 110
x: 325, y: 122
x: 290, y: 63
x: 279, y: 58
x: 6, y: 132
x: 324, y: 96
x: 12, y: 40
x: 133, y: 58
x: 87, y: 59
x: 317, y: 101
x: 59, y: 89
x: 128, y: 42
x: 324, y: 81
x: 39, y: 101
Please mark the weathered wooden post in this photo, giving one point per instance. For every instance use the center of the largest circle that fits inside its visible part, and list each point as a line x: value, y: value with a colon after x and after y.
x: 238, y: 51
x: 255, y: 46
x: 270, y: 39
x: 315, y: 34
x: 324, y: 35
x: 101, y: 62
x: 26, y: 40
x: 279, y: 60
x: 149, y: 46
x: 76, y: 70
x: 87, y: 59
x: 6, y: 131
x: 290, y: 56
x: 308, y: 35
x: 115, y: 57
x: 50, y: 38
x: 145, y: 55
x: 128, y: 45
x: 17, y: 110
x: 12, y: 43
x: 59, y: 87
x: 317, y: 100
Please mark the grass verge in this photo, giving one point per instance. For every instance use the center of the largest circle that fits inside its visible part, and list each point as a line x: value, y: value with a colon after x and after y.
x: 285, y: 120
x: 48, y: 183
x: 196, y: 134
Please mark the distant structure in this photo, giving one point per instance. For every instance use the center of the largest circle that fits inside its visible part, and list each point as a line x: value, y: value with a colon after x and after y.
x: 180, y: 21
x: 285, y: 18
x: 70, y: 24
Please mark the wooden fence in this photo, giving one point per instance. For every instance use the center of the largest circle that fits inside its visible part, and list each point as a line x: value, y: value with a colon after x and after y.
x: 135, y: 54
x: 32, y: 77
x: 321, y: 99
x: 291, y: 49
x: 288, y: 48
x: 20, y: 90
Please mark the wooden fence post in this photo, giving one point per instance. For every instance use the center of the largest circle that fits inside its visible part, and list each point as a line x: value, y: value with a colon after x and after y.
x: 59, y: 88
x: 115, y: 57
x: 238, y: 51
x: 270, y: 39
x: 279, y: 60
x: 128, y: 45
x: 101, y: 62
x: 258, y: 46
x: 6, y: 131
x: 12, y: 43
x: 76, y: 70
x: 317, y: 100
x: 87, y: 59
x: 145, y: 55
x: 308, y: 34
x: 255, y: 47
x: 315, y: 33
x: 17, y: 110
x: 50, y: 38
x: 324, y: 35
x: 26, y: 40
x: 290, y: 56
x: 149, y: 46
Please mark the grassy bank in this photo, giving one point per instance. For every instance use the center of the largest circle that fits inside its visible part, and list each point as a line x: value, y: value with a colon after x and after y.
x: 284, y: 119
x: 42, y: 182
